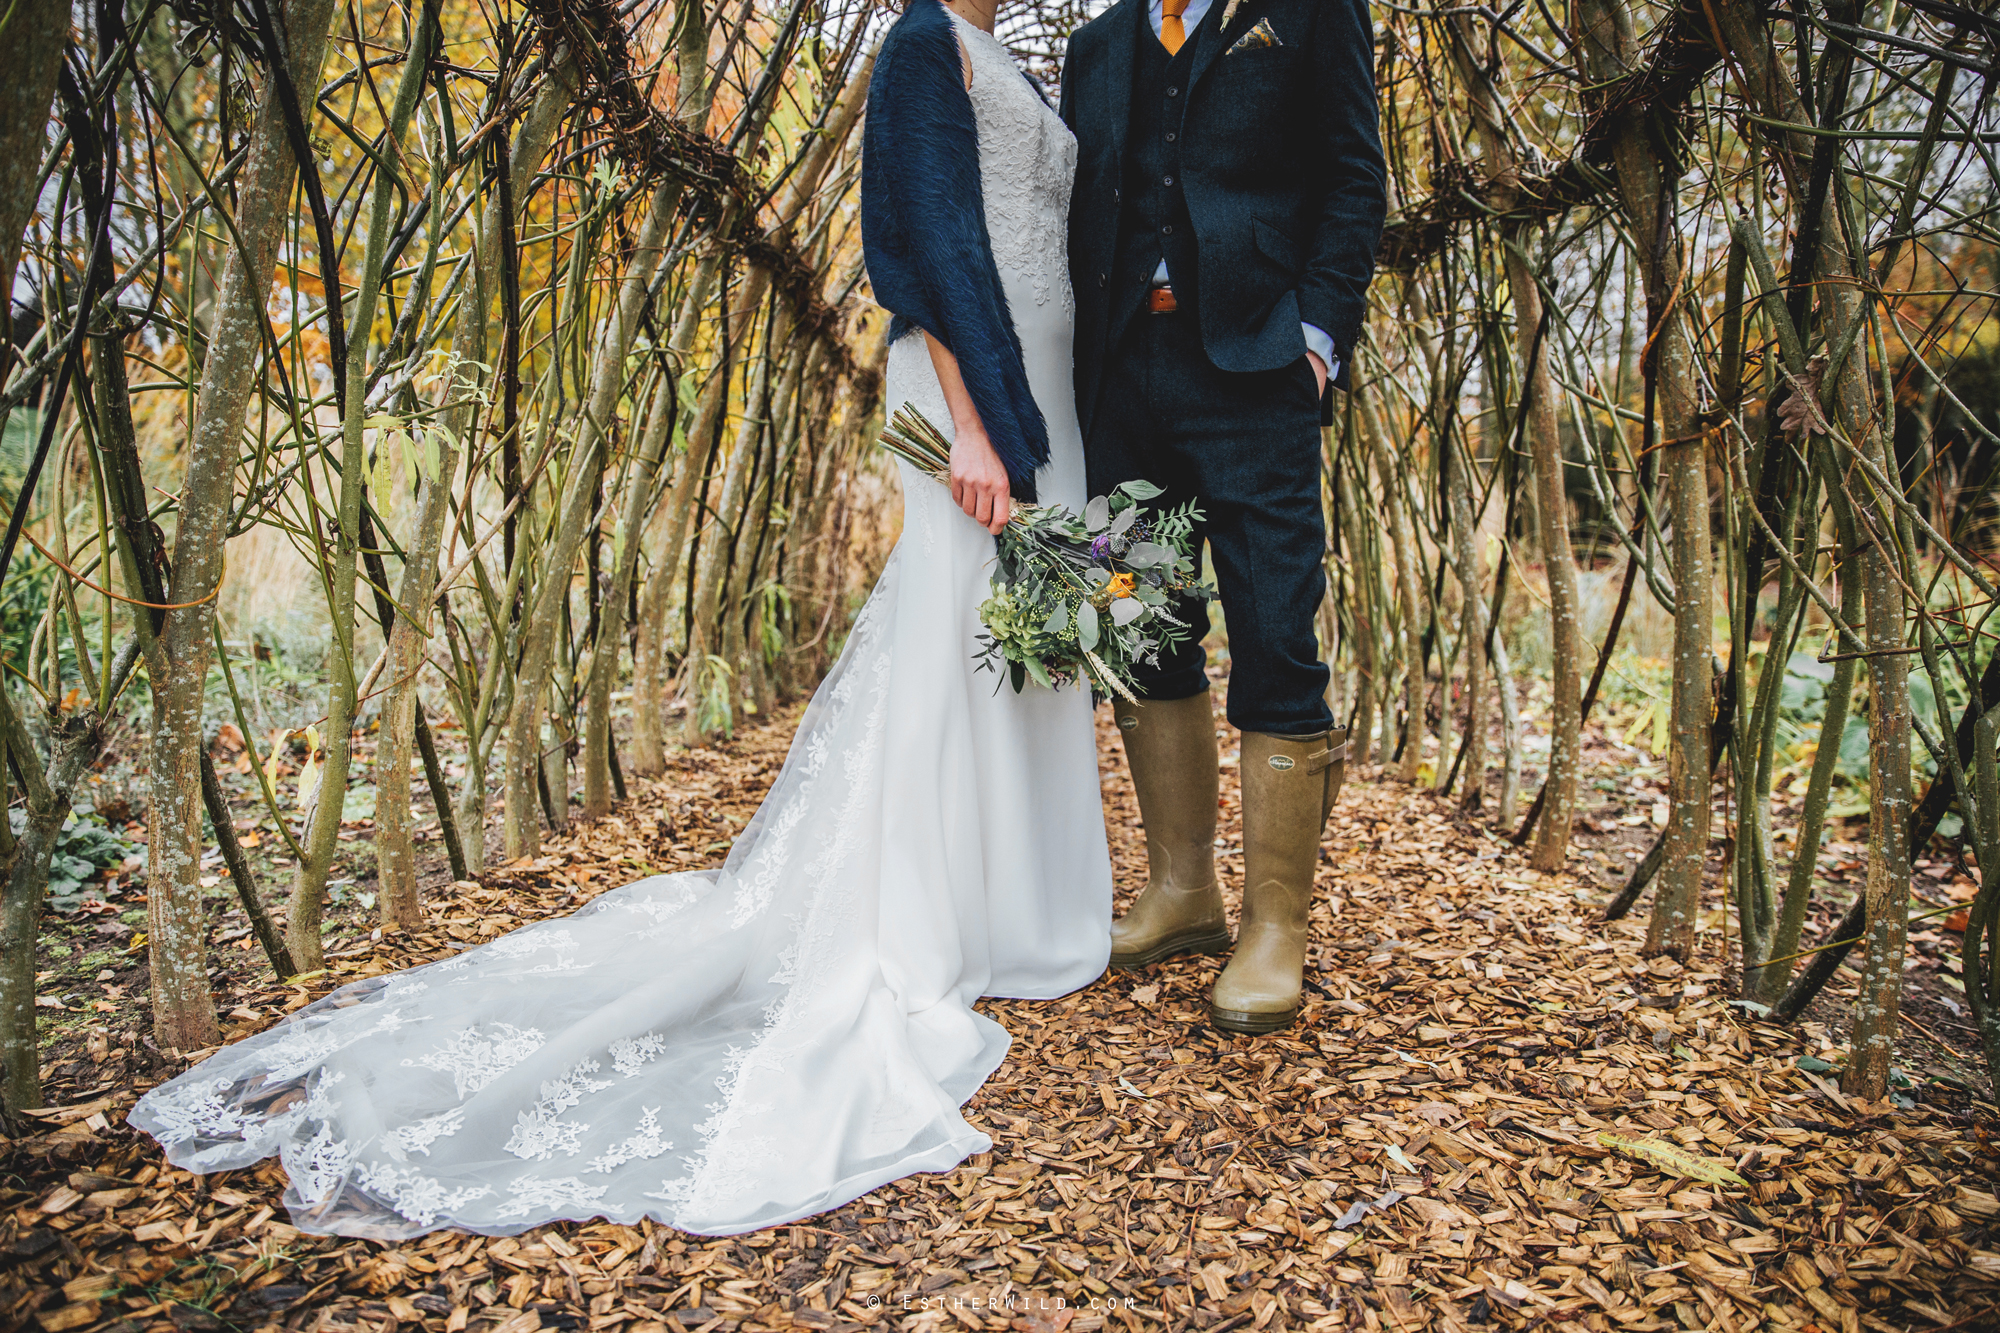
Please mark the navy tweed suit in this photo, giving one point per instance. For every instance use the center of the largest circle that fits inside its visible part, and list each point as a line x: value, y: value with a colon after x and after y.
x: 1254, y: 168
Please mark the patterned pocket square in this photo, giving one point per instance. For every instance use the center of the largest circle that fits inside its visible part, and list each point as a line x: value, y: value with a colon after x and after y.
x: 1259, y: 37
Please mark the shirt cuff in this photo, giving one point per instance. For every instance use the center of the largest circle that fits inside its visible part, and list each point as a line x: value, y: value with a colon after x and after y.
x: 1320, y: 341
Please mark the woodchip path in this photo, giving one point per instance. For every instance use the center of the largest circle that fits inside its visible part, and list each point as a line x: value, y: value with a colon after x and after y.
x: 1493, y: 1113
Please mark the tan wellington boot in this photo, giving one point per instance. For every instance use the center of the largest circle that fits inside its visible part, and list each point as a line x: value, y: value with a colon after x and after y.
x: 1289, y: 783
x: 1171, y: 746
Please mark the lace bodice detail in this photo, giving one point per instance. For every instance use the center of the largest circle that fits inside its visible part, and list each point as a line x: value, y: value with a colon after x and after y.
x: 1027, y: 162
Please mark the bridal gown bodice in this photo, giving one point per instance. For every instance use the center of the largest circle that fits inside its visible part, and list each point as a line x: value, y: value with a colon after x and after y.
x: 729, y: 1050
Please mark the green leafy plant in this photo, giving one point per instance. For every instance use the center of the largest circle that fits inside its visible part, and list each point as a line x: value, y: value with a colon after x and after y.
x: 84, y: 850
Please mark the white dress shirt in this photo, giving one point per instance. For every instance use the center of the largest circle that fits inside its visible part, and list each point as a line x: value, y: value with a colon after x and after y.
x: 1318, y: 340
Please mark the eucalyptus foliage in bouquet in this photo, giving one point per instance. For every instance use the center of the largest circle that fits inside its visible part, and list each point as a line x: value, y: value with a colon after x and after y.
x: 1076, y: 596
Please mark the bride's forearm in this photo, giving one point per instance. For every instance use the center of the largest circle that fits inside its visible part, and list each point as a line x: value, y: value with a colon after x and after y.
x: 979, y: 483
x: 964, y: 416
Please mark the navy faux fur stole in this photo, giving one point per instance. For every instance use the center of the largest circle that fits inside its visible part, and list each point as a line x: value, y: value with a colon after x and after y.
x: 923, y: 228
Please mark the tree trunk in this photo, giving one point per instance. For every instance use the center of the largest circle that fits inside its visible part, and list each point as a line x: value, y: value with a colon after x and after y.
x: 1677, y: 900
x: 1885, y: 942
x: 1647, y: 184
x: 37, y: 37
x: 74, y: 742
x: 742, y: 615
x: 401, y: 904
x: 36, y: 34
x: 1545, y: 449
x: 658, y: 438
x: 1406, y: 591
x: 1364, y: 553
x: 707, y: 608
x: 798, y: 193
x: 555, y: 760
x: 1884, y: 903
x: 607, y: 384
x: 1565, y: 631
x: 649, y: 755
x: 1472, y: 624
x: 649, y: 665
x: 261, y: 925
x: 1510, y: 732
x: 183, y: 1010
x: 1770, y: 981
x: 1885, y: 938
x: 302, y: 920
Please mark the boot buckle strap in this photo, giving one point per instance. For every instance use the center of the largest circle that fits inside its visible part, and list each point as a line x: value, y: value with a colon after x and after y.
x: 1327, y: 758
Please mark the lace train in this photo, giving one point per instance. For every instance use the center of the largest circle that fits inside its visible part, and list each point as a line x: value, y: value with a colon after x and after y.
x: 729, y: 1050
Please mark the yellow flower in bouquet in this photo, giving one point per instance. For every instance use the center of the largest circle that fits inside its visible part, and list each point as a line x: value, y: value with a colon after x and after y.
x: 1120, y: 585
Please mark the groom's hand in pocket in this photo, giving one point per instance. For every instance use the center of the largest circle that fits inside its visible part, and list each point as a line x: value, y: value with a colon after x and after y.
x: 979, y: 483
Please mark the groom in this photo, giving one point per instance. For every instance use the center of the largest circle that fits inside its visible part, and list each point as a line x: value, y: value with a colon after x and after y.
x: 1228, y: 202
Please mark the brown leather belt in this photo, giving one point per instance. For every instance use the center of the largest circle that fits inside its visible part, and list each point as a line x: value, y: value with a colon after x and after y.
x: 1160, y: 300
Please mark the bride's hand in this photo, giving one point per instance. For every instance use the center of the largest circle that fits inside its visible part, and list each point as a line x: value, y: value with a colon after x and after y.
x: 978, y: 478
x: 979, y: 483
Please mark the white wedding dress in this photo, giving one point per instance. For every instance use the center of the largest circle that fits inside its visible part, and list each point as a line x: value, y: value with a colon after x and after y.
x: 724, y: 1051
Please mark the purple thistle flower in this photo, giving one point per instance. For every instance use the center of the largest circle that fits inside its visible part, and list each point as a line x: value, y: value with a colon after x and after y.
x: 1100, y: 547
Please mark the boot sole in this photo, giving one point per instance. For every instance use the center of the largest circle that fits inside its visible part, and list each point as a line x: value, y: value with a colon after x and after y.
x: 1252, y: 1023
x: 1212, y: 942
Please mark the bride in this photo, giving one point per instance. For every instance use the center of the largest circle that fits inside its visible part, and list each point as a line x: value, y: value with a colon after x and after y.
x: 724, y: 1051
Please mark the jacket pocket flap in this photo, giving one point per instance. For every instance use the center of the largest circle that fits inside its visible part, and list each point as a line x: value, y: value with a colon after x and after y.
x: 1277, y: 246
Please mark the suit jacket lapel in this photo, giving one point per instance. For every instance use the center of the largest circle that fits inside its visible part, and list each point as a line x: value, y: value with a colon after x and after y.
x: 1118, y: 74
x: 1211, y: 41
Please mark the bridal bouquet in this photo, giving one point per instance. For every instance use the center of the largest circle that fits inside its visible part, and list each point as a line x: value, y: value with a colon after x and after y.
x: 1075, y: 596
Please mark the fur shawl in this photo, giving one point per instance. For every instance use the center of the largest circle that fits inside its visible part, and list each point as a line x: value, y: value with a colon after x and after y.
x: 923, y: 228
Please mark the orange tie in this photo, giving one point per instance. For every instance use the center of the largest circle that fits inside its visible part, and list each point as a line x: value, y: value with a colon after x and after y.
x: 1172, y: 34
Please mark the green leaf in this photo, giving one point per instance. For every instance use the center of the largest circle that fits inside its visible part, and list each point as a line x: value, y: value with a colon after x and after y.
x: 1140, y: 490
x: 1086, y: 626
x: 1097, y: 514
x: 1812, y: 1064
x: 1058, y: 621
